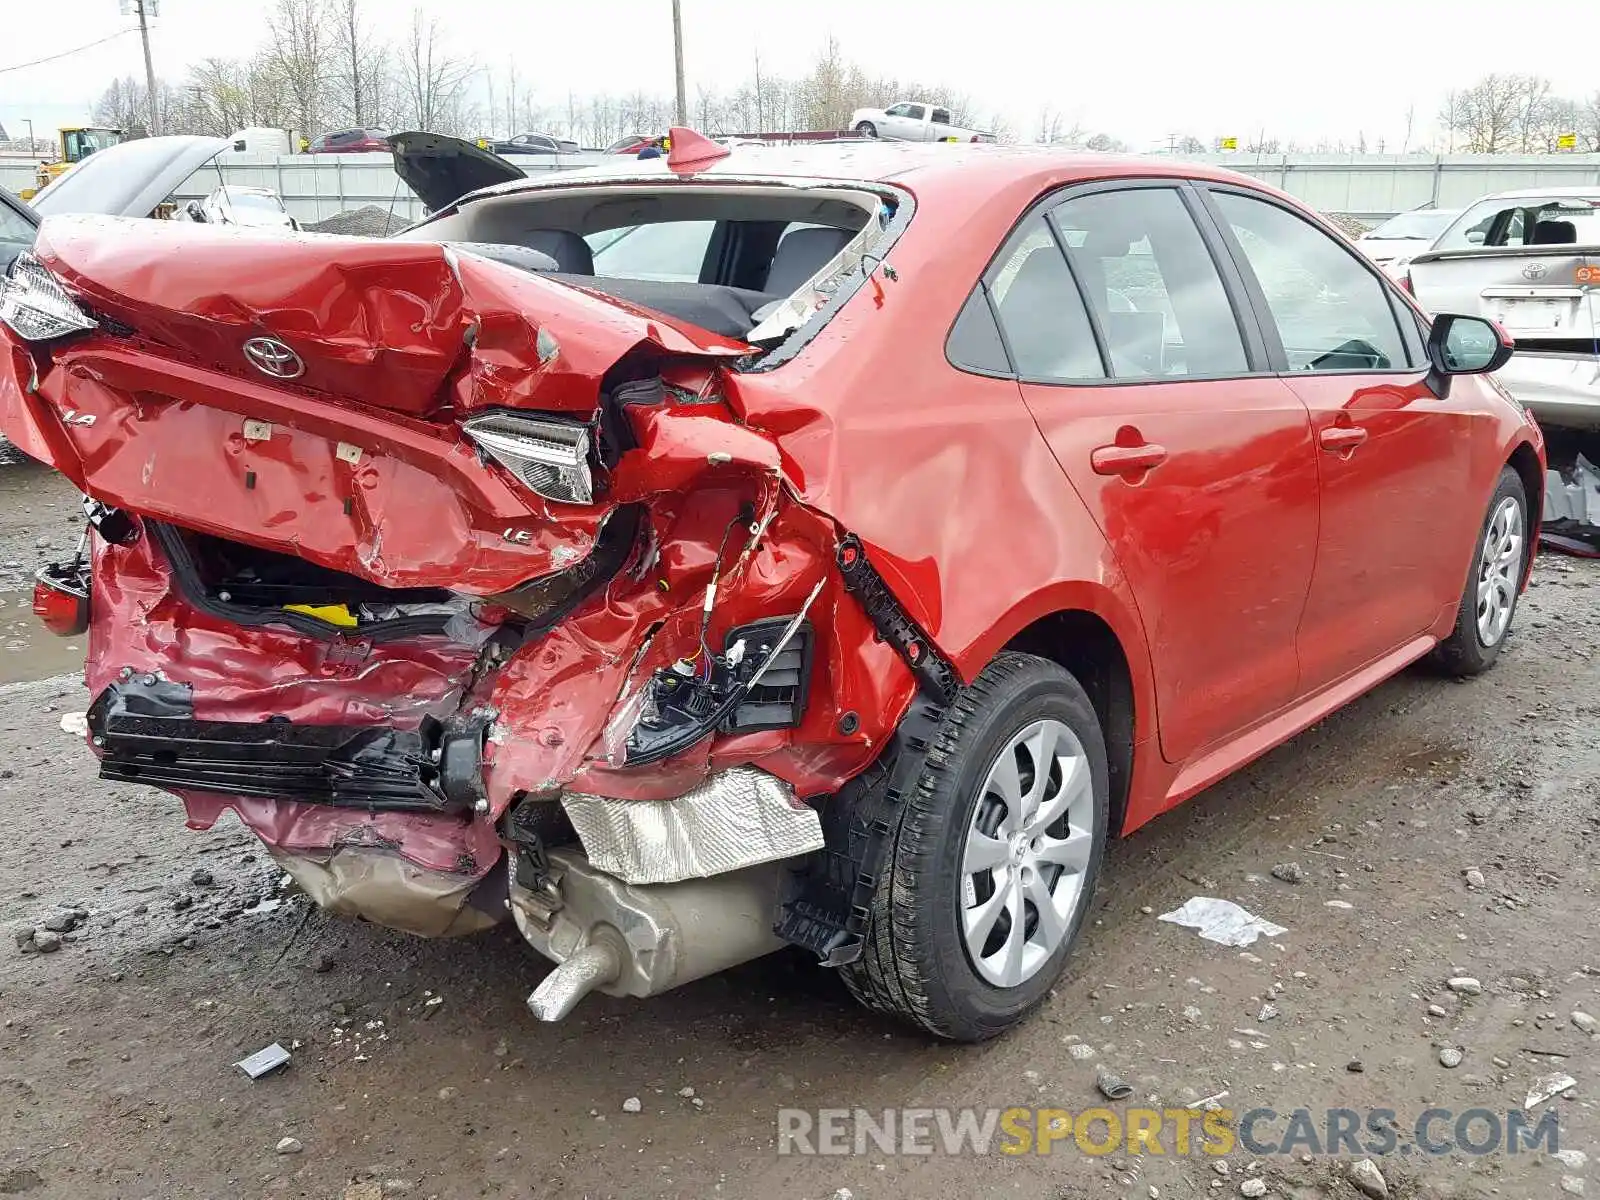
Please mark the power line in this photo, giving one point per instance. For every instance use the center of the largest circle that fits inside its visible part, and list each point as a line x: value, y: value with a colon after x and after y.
x: 65, y: 53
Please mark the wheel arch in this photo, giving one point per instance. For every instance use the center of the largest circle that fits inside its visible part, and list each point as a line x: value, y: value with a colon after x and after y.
x: 1529, y: 466
x: 1093, y: 635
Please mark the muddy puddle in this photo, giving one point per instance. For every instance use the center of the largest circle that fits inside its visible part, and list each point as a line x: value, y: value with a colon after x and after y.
x: 28, y: 650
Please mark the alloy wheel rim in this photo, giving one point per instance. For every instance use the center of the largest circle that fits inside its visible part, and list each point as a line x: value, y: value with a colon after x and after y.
x: 1026, y: 854
x: 1499, y: 567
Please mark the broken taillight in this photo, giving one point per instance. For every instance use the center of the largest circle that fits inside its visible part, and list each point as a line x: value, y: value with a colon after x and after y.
x: 61, y: 598
x: 548, y: 454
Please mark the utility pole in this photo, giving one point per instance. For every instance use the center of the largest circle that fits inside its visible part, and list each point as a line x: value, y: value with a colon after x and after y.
x: 154, y: 10
x: 677, y: 54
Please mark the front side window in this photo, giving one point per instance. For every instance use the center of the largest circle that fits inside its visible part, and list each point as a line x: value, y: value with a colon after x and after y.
x: 1332, y: 314
x: 915, y: 111
x: 898, y: 110
x: 1041, y: 313
x: 1155, y: 290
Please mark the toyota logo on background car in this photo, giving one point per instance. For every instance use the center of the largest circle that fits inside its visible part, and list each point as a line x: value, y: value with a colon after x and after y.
x: 271, y: 357
x: 1535, y: 270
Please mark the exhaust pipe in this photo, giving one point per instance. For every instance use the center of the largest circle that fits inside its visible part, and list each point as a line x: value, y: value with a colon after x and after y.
x: 641, y: 939
x: 594, y: 965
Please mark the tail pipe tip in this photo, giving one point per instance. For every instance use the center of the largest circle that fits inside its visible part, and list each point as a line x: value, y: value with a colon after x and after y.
x: 596, y: 964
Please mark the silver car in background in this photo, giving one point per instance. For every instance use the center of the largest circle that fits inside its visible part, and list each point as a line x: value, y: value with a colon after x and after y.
x: 1398, y: 240
x: 1529, y: 260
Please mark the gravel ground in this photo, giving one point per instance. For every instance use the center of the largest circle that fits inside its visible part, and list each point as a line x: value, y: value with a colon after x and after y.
x: 1439, y: 829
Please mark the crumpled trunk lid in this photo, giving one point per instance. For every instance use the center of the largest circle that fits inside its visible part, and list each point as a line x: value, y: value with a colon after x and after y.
x: 382, y: 323
x: 357, y: 461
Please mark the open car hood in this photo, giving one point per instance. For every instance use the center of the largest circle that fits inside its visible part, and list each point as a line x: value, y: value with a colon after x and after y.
x: 128, y: 180
x: 440, y: 169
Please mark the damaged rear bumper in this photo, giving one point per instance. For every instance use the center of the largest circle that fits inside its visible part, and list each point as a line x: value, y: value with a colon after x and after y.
x: 146, y: 732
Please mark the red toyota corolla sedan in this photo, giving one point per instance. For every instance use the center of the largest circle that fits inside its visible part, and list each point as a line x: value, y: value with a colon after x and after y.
x: 733, y: 551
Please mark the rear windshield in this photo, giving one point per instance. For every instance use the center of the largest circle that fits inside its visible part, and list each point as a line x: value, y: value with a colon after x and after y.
x: 1534, y: 221
x: 1412, y: 225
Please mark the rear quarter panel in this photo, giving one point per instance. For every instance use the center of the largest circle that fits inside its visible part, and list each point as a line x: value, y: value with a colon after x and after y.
x: 943, y: 474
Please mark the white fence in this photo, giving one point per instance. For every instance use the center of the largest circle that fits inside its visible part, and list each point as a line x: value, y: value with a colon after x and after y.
x: 1376, y: 186
x: 316, y: 187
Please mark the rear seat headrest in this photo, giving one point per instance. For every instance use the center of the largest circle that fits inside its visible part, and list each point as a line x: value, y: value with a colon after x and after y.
x: 571, y: 252
x: 801, y: 253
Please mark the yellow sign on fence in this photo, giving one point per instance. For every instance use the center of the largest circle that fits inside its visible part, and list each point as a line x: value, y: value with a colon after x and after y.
x: 1228, y: 143
x: 1567, y: 141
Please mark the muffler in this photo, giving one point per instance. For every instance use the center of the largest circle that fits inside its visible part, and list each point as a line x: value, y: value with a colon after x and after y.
x: 641, y: 939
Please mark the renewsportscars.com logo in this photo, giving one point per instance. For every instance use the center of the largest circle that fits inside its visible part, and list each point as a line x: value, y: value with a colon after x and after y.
x: 1179, y: 1132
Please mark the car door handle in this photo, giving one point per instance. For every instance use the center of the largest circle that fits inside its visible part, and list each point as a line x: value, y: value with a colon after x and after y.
x: 1341, y: 439
x: 1126, y: 460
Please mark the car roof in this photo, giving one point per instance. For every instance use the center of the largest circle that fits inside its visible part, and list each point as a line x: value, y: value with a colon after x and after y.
x: 1587, y: 191
x: 971, y: 170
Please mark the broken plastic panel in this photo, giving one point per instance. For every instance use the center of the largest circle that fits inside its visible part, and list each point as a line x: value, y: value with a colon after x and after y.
x: 61, y: 598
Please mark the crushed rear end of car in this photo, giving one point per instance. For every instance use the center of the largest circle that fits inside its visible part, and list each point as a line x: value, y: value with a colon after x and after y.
x: 469, y: 591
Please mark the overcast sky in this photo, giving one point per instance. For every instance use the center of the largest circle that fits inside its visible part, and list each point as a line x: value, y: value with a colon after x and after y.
x: 1138, y: 69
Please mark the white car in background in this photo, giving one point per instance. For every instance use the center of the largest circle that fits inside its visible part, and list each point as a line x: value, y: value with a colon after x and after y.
x: 913, y: 121
x: 1398, y: 240
x: 236, y: 204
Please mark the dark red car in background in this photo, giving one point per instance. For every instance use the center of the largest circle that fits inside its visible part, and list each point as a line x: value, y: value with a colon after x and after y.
x: 350, y: 141
x: 837, y: 559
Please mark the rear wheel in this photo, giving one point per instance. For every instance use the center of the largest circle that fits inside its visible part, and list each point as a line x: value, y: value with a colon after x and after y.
x: 991, y: 869
x: 867, y: 129
x: 1489, y: 601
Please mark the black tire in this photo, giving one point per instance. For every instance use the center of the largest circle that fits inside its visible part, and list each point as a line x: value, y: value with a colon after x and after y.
x: 867, y: 129
x: 915, y: 965
x: 1465, y: 652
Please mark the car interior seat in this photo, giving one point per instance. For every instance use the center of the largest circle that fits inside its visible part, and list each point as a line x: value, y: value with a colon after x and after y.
x: 801, y: 253
x: 1554, y: 233
x: 571, y: 252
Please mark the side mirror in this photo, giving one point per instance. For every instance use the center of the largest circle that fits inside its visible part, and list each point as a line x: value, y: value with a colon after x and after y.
x: 1459, y: 345
x: 1475, y: 236
x: 196, y: 213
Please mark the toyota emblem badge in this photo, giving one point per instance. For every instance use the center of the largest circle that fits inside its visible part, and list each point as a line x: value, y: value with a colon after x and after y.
x: 1535, y: 270
x: 272, y: 357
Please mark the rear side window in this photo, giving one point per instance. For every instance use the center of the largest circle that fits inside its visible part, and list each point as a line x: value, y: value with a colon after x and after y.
x: 1041, y: 313
x: 1154, y: 288
x: 974, y: 343
x: 1564, y: 222
x: 1331, y: 312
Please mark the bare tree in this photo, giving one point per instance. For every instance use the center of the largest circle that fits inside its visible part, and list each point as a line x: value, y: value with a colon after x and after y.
x: 1490, y: 116
x: 1536, y: 115
x: 124, y: 105
x: 1055, y: 130
x: 301, y: 53
x: 433, y: 80
x: 1104, y: 143
x: 358, y: 91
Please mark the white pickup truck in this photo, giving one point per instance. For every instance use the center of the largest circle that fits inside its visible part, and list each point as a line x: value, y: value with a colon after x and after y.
x: 913, y: 121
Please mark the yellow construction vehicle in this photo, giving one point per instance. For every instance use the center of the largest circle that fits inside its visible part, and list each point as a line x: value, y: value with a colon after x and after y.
x: 77, y: 142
